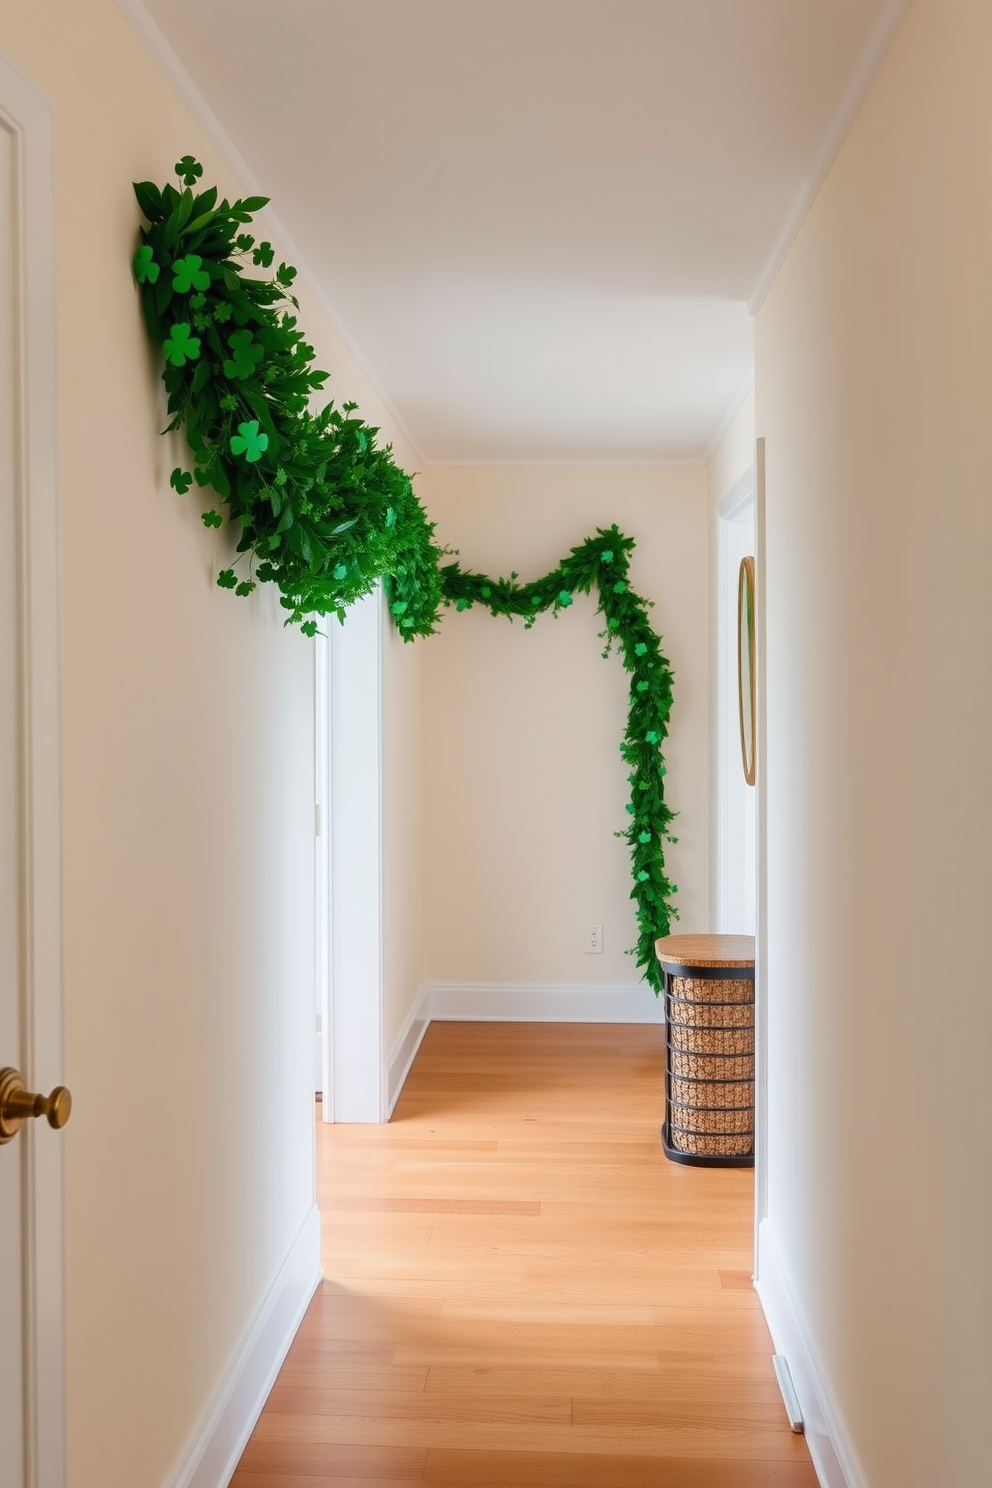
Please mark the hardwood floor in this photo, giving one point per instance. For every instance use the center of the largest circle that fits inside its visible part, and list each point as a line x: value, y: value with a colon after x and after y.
x: 522, y: 1290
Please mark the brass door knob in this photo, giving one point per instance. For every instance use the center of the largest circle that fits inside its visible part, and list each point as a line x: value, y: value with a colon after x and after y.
x: 18, y: 1104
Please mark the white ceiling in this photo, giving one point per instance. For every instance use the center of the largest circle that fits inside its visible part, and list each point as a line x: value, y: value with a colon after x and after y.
x: 539, y: 222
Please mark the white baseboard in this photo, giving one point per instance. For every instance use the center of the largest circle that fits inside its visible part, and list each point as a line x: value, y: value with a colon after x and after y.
x: 405, y: 1048
x: 513, y: 1002
x: 212, y: 1456
x: 542, y: 1002
x: 832, y: 1456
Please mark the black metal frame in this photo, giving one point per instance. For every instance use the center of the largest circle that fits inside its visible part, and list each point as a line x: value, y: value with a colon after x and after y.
x: 713, y: 974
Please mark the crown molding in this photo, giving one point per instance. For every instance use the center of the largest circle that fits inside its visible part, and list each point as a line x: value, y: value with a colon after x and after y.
x: 880, y: 39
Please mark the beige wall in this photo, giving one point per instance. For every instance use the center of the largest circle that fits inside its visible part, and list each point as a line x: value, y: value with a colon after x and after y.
x: 188, y: 795
x: 734, y: 455
x: 874, y: 385
x: 524, y: 786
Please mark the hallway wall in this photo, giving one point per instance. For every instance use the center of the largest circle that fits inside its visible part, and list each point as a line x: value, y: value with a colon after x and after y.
x: 874, y: 385
x: 524, y: 783
x: 188, y: 798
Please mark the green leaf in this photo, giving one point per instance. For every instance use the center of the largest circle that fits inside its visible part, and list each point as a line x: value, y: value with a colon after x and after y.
x: 227, y: 579
x: 249, y: 442
x: 211, y: 519
x: 180, y: 480
x: 189, y: 170
x: 181, y: 346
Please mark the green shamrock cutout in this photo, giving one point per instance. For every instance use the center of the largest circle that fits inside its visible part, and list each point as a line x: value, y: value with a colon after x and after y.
x: 640, y: 649
x: 643, y: 877
x: 146, y: 270
x: 341, y: 572
x: 652, y: 737
x: 564, y: 599
x: 249, y: 442
x: 245, y: 587
x: 613, y: 623
x: 263, y: 256
x: 607, y: 555
x: 630, y: 808
x: 180, y: 480
x: 247, y: 355
x: 486, y: 592
x: 644, y: 837
x: 619, y: 587
x: 181, y: 347
x: 189, y: 170
x: 461, y: 604
x: 227, y: 579
x: 643, y: 686
x: 222, y: 312
x: 211, y: 519
x: 190, y: 274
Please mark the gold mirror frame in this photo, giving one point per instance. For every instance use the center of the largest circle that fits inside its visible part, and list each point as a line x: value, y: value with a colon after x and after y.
x: 746, y: 688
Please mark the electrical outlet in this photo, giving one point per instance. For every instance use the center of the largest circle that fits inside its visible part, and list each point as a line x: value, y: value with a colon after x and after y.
x: 594, y: 940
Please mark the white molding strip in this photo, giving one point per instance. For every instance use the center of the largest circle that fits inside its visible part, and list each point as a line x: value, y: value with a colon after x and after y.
x: 212, y: 1456
x: 162, y: 52
x: 404, y: 1049
x: 513, y: 1002
x: 542, y: 1002
x: 833, y: 1457
x: 732, y: 410
x: 880, y: 39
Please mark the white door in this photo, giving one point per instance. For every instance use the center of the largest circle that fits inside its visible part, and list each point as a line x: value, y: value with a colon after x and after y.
x: 31, y: 1300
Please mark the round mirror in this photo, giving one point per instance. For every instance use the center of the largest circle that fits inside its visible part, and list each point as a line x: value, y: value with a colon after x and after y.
x: 746, y: 691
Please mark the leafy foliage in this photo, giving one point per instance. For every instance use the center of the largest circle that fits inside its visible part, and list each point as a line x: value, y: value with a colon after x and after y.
x: 324, y: 513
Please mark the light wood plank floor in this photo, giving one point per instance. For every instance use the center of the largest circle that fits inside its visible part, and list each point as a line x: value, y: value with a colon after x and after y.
x: 522, y: 1290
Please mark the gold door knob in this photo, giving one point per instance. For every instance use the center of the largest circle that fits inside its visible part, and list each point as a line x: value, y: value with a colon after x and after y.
x: 18, y: 1104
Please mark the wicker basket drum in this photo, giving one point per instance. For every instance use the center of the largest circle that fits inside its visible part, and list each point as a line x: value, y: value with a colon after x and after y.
x: 709, y: 1067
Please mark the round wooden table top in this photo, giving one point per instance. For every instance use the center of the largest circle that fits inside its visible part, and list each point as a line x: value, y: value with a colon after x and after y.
x: 705, y: 950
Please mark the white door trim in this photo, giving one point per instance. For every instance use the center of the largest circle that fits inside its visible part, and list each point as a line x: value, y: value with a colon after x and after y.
x: 29, y: 118
x: 354, y: 1028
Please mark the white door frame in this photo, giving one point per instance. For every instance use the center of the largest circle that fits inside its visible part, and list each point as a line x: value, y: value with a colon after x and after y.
x: 353, y: 1015
x: 735, y: 804
x: 29, y: 118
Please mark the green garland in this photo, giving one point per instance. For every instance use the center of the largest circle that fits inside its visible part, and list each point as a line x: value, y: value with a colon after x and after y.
x: 324, y: 513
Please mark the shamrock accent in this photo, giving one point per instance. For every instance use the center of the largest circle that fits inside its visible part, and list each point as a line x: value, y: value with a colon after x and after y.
x: 249, y: 442
x: 643, y: 877
x: 486, y: 592
x: 630, y: 808
x: 613, y: 623
x: 341, y: 572
x: 227, y: 578
x: 189, y: 169
x: 190, y: 274
x: 263, y: 256
x: 180, y: 480
x: 461, y: 604
x: 644, y: 837
x: 390, y: 517
x: 247, y: 355
x: 146, y: 270
x: 606, y: 555
x: 620, y: 587
x: 564, y: 599
x: 181, y: 347
x: 228, y: 403
x: 211, y: 519
x: 640, y: 649
x: 245, y: 587
x: 652, y: 737
x: 222, y: 312
x: 399, y: 607
x: 643, y: 686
